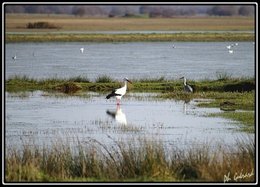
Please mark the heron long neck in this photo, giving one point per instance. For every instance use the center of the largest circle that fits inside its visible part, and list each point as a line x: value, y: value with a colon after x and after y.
x: 184, y: 81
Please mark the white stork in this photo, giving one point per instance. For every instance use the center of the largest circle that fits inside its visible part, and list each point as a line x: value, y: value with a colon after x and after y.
x: 187, y: 88
x: 118, y: 93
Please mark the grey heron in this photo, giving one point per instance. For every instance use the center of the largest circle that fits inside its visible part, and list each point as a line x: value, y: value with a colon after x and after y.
x: 187, y: 88
x: 120, y: 92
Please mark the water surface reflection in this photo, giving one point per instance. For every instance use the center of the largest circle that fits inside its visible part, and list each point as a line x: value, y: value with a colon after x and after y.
x: 40, y: 118
x: 118, y: 115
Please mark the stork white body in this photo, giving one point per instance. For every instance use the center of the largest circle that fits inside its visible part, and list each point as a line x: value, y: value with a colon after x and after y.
x: 187, y: 88
x: 120, y: 92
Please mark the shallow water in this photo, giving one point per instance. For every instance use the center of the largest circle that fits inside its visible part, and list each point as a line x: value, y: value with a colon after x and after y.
x: 39, y: 118
x: 194, y: 60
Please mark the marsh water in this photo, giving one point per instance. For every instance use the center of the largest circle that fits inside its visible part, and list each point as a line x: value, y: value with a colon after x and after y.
x: 43, y: 118
x: 172, y: 60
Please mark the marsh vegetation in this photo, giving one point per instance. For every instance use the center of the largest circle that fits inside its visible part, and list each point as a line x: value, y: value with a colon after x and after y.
x: 138, y: 161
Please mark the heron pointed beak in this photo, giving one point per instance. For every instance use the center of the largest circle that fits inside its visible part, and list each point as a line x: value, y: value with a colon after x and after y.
x: 129, y: 81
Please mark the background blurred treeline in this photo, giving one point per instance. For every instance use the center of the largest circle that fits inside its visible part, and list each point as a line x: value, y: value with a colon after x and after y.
x: 150, y: 11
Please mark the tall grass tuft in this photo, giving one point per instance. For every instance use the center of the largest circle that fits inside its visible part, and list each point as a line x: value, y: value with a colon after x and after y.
x: 104, y: 79
x: 152, y: 80
x: 79, y: 79
x: 221, y: 76
x: 42, y: 25
x: 138, y: 160
x: 21, y: 78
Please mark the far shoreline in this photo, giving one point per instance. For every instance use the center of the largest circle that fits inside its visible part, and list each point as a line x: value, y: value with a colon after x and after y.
x: 131, y: 37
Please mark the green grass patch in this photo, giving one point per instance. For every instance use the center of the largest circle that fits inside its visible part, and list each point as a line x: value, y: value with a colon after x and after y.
x: 154, y: 37
x: 246, y: 118
x: 228, y: 100
x: 79, y: 79
x: 240, y: 93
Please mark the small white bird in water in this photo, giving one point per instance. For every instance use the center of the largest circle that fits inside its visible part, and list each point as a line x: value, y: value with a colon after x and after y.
x: 82, y: 50
x: 120, y: 92
x: 230, y: 51
x: 187, y: 88
x: 14, y: 57
x: 229, y: 46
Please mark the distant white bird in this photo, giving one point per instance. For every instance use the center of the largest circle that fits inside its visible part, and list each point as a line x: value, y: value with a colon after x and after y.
x: 228, y: 46
x: 118, y: 115
x: 14, y: 57
x: 120, y: 92
x: 230, y: 51
x: 232, y: 45
x: 82, y: 50
x: 187, y: 88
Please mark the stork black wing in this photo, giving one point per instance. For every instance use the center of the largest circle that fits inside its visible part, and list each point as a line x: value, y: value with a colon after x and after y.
x: 112, y: 94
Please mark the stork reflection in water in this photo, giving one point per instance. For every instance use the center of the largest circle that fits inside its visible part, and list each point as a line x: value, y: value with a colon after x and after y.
x: 118, y: 115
